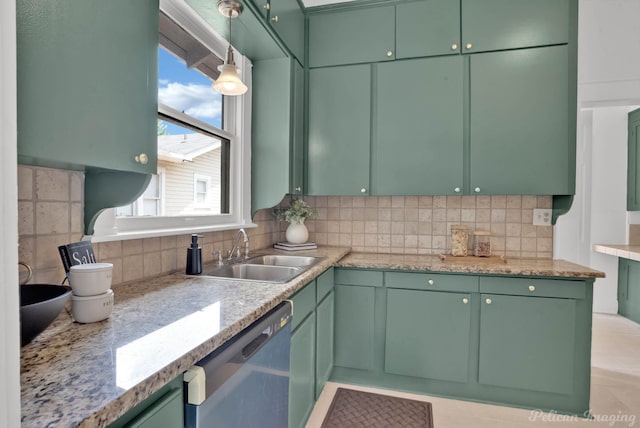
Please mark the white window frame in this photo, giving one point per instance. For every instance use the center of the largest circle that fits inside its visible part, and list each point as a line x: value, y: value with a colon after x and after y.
x: 237, y: 126
x: 207, y: 180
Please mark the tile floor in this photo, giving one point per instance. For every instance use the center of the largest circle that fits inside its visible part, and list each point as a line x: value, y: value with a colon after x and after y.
x: 615, y: 389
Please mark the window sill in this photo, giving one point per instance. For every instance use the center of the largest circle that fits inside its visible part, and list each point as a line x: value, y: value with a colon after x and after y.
x: 153, y: 233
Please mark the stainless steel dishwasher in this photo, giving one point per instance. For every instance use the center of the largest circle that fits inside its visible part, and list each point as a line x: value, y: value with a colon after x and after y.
x: 245, y: 382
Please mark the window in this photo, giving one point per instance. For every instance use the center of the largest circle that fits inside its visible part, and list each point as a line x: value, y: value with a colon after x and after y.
x: 203, y: 180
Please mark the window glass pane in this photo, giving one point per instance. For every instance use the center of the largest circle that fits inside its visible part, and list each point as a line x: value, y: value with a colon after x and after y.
x: 150, y: 207
x: 153, y: 191
x: 201, y: 187
x: 187, y: 90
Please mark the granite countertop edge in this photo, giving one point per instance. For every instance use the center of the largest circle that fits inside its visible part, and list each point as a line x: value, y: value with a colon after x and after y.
x: 39, y: 359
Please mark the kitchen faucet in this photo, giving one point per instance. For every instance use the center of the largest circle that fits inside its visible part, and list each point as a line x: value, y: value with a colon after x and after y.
x: 235, y: 250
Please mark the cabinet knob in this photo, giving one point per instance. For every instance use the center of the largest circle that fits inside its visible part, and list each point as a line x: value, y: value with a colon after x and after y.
x: 142, y: 158
x: 363, y: 190
x: 469, y: 46
x: 465, y: 301
x: 477, y: 190
x: 431, y: 282
x: 454, y: 47
x: 488, y: 301
x: 389, y: 54
x: 457, y: 190
x: 266, y: 6
x: 298, y: 189
x: 275, y: 18
x: 532, y: 288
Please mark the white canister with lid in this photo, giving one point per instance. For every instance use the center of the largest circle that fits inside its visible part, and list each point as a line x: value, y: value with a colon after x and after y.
x: 87, y: 309
x: 90, y: 279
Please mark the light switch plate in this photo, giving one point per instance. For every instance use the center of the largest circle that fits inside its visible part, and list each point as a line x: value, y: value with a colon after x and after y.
x: 542, y: 216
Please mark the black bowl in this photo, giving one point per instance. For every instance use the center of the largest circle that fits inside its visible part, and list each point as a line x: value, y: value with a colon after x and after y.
x: 40, y: 304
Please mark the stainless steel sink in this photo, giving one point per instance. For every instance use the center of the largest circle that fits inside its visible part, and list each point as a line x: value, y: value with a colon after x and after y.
x: 284, y: 260
x: 254, y: 272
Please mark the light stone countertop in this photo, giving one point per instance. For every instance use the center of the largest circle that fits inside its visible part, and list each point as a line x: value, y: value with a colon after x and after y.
x: 626, y: 251
x: 470, y: 264
x: 88, y: 375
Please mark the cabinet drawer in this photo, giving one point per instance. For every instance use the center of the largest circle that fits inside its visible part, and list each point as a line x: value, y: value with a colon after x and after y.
x: 533, y: 287
x: 358, y: 277
x: 304, y: 302
x: 431, y: 281
x: 324, y: 284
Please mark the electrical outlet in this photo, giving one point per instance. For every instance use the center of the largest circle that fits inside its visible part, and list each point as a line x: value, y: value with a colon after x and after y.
x: 542, y: 216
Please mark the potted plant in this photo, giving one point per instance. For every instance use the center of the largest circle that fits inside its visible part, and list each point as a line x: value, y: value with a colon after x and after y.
x: 296, y: 214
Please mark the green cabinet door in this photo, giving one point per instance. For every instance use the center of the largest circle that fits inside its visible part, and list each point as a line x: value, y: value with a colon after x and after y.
x: 528, y: 343
x: 520, y: 123
x: 351, y: 37
x: 489, y: 25
x: 428, y: 334
x: 633, y: 161
x: 270, y: 137
x: 629, y: 289
x: 297, y: 131
x: 427, y: 28
x: 302, y: 372
x: 339, y: 130
x: 418, y: 140
x: 287, y: 20
x: 88, y: 83
x: 324, y: 341
x: 354, y: 332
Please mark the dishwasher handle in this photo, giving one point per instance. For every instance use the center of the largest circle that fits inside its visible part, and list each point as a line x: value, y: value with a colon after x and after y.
x: 254, y: 346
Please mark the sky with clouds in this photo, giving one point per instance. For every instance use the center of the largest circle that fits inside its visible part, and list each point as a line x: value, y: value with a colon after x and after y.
x: 187, y: 91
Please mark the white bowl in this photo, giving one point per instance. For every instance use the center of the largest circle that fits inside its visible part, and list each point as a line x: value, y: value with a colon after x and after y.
x: 90, y: 279
x: 86, y: 309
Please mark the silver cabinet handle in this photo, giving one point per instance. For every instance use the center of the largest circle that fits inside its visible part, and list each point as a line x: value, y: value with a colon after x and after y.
x: 465, y: 301
x: 532, y: 288
x: 454, y: 47
x: 457, y: 190
x: 275, y: 18
x: 488, y: 301
x: 469, y: 46
x: 389, y: 54
x: 477, y: 190
x: 142, y: 158
x: 363, y: 190
x: 266, y: 6
x: 298, y: 189
x: 431, y: 282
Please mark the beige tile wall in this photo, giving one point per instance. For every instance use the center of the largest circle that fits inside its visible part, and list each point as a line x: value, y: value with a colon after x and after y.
x: 421, y: 225
x: 50, y: 204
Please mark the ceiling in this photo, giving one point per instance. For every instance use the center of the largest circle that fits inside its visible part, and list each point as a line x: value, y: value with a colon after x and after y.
x: 311, y: 3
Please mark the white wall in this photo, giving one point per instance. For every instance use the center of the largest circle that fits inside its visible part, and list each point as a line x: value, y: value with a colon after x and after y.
x: 608, y: 87
x: 9, y: 327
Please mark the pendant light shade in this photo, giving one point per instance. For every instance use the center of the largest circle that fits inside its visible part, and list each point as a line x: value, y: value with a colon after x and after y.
x: 229, y: 83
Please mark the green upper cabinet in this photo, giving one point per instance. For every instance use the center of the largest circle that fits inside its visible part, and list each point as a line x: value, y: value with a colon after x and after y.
x: 297, y: 131
x: 352, y: 36
x: 427, y: 28
x: 270, y: 132
x: 87, y: 84
x: 339, y: 111
x: 633, y: 161
x: 489, y: 25
x: 521, y: 122
x: 418, y: 140
x: 287, y: 20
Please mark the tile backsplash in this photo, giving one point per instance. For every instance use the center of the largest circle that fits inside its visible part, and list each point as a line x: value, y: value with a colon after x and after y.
x: 50, y: 204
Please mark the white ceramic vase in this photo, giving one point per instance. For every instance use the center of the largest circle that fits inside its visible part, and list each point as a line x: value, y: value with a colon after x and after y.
x: 297, y: 232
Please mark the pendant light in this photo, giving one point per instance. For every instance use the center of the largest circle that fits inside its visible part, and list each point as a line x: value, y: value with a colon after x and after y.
x: 229, y: 83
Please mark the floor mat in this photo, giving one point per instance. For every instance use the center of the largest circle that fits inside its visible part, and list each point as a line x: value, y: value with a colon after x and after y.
x: 351, y: 408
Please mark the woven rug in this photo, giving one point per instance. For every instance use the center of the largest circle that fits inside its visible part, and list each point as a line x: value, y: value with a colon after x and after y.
x: 353, y: 409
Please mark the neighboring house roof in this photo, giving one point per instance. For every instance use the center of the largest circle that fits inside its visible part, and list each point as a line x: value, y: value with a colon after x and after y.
x: 185, y: 147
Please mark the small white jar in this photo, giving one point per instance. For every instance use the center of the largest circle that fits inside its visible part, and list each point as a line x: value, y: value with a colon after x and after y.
x: 90, y: 279
x: 87, y: 309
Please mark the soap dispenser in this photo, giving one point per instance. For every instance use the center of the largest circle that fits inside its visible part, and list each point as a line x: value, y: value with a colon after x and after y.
x: 194, y: 257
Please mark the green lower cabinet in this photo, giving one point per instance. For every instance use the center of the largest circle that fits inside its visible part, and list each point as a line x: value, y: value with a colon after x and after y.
x: 629, y: 289
x: 302, y: 372
x: 428, y: 334
x: 164, y: 409
x: 527, y: 343
x: 354, y: 332
x: 324, y: 341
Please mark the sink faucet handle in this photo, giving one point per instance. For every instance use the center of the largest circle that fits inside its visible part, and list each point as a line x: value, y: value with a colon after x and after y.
x: 217, y: 254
